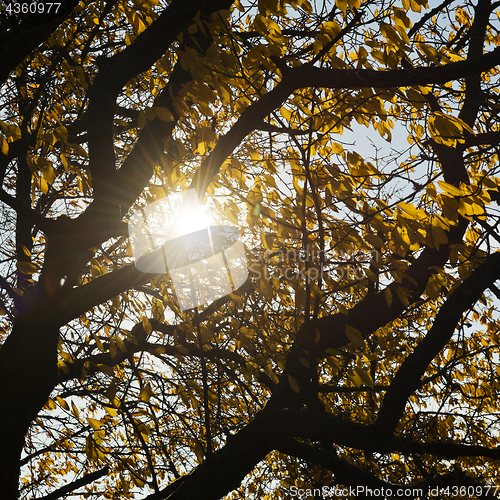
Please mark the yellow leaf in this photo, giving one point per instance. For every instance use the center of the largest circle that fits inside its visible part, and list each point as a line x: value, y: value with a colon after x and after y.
x: 374, y: 240
x: 293, y: 384
x: 453, y: 190
x: 354, y: 336
x: 337, y: 148
x: 467, y: 207
x: 74, y: 410
x: 49, y: 174
x: 433, y: 287
x: 26, y: 267
x: 212, y: 396
x: 342, y: 5
x: 147, y: 326
x: 64, y: 161
x: 62, y: 403
x: 342, y: 309
x: 80, y: 73
x: 98, y: 342
x: 355, y: 378
x: 95, y: 424
x: 106, y: 369
x: 206, y: 334
x: 231, y: 215
x: 305, y: 362
x: 42, y: 183
x: 286, y: 113
x: 247, y: 332
x: 364, y: 376
x: 265, y: 288
x: 141, y: 121
x: 5, y: 145
x: 79, y: 150
x: 157, y: 309
x: 388, y: 296
x: 150, y: 114
x: 145, y: 393
x: 438, y: 236
x: 163, y: 114
x: 111, y: 411
x: 199, y: 452
x: 121, y: 344
x: 416, y: 213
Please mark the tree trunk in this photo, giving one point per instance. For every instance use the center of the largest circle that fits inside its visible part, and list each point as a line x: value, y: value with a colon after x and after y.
x: 28, y: 373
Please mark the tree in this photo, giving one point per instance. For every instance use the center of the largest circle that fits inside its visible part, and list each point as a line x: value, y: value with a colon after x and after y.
x: 363, y: 348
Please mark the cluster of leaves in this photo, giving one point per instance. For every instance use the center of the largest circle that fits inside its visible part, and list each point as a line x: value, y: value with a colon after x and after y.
x: 362, y: 350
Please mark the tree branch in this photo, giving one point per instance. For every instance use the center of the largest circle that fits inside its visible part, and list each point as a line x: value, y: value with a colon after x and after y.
x: 428, y: 15
x: 116, y: 71
x: 26, y: 212
x: 76, y: 301
x: 408, y: 377
x: 68, y: 488
x: 18, y: 43
x: 311, y: 76
x: 345, y: 473
x: 324, y: 427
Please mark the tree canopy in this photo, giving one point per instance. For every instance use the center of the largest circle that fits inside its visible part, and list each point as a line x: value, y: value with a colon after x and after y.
x: 363, y: 349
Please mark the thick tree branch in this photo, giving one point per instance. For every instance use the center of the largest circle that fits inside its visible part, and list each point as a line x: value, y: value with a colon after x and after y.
x: 408, y: 377
x: 473, y: 94
x: 367, y: 316
x: 115, y: 72
x: 311, y: 76
x: 271, y: 429
x: 324, y: 427
x: 345, y: 473
x: 115, y: 191
x: 76, y: 301
x: 484, y: 139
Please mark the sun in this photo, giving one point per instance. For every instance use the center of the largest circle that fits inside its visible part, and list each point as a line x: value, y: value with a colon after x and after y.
x: 190, y: 216
x: 190, y: 220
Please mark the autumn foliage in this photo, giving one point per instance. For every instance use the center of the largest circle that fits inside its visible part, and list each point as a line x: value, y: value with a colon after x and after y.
x: 355, y: 144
